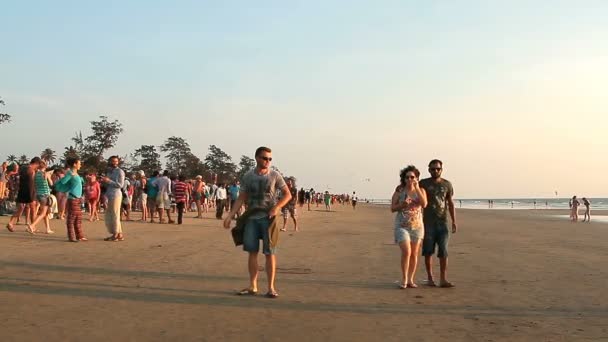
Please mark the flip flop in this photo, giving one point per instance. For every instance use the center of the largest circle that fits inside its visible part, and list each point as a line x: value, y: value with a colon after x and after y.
x: 30, y: 230
x: 247, y: 292
x: 83, y: 239
x: 10, y: 227
x: 430, y: 283
x: 446, y: 284
x: 110, y: 238
x: 412, y: 286
x: 272, y: 294
x: 402, y: 286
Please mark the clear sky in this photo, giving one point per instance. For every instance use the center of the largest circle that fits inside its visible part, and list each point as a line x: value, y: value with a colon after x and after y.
x: 511, y: 95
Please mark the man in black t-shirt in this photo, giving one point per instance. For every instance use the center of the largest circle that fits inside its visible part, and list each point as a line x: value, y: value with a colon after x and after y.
x: 440, y: 195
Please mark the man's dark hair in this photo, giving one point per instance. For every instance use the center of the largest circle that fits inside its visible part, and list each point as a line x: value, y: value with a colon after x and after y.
x: 262, y: 149
x: 35, y: 160
x: 403, y: 173
x: 435, y: 161
x: 71, y: 161
x: 112, y: 157
x: 155, y: 174
x: 166, y: 173
x: 181, y: 178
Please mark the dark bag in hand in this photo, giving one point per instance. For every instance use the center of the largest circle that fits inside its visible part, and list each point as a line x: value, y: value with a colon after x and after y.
x: 237, y: 234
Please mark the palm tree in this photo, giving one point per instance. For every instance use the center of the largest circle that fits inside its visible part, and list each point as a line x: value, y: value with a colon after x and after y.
x: 48, y: 155
x: 11, y: 158
x: 23, y: 159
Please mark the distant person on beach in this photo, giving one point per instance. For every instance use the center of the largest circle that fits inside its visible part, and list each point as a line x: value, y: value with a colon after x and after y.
x: 152, y: 191
x: 26, y: 195
x: 163, y: 198
x: 440, y: 201
x: 114, y: 182
x: 354, y: 200
x: 587, y: 205
x: 180, y: 189
x: 142, y: 187
x: 92, y: 194
x: 221, y: 196
x: 259, y: 190
x: 311, y: 197
x: 290, y: 208
x: 72, y: 185
x: 43, y: 183
x: 574, y: 209
x: 301, y: 196
x: 327, y: 200
x: 3, y: 180
x: 408, y: 201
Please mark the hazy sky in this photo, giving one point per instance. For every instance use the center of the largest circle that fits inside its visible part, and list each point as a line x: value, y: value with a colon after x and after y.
x: 511, y: 95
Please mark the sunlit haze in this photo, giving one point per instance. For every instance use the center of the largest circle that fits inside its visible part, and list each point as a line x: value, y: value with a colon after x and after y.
x: 511, y: 95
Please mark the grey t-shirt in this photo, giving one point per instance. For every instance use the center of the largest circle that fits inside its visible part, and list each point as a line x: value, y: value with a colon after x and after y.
x: 261, y: 190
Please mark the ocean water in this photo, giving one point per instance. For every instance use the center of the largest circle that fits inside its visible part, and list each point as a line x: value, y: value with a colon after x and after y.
x: 517, y: 203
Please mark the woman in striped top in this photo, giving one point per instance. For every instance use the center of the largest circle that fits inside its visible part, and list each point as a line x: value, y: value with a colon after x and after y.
x: 43, y: 183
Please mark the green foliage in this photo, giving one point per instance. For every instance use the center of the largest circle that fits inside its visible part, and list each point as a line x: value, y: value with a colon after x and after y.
x: 147, y: 159
x: 178, y: 151
x: 11, y: 158
x: 3, y: 116
x: 105, y: 135
x: 48, y: 155
x: 246, y: 164
x: 23, y: 159
x: 220, y: 163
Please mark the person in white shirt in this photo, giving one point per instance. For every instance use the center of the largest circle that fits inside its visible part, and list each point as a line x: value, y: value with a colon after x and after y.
x: 163, y: 200
x: 220, y: 201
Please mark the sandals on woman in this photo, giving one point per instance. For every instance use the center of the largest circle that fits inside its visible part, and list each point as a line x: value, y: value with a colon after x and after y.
x: 272, y: 294
x: 247, y: 292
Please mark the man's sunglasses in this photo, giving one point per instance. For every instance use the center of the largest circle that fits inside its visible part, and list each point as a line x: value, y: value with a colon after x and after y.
x: 435, y: 169
x: 268, y: 159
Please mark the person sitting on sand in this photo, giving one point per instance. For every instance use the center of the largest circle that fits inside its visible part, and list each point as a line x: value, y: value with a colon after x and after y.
x: 408, y: 201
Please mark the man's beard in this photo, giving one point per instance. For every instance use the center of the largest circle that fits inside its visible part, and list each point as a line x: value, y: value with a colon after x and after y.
x: 436, y: 176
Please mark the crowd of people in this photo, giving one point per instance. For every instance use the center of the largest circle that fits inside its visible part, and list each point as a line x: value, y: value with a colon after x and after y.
x: 421, y: 206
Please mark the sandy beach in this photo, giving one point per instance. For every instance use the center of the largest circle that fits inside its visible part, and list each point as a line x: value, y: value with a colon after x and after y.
x: 520, y: 276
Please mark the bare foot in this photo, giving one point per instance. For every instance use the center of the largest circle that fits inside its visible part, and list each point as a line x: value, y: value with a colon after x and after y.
x: 50, y: 232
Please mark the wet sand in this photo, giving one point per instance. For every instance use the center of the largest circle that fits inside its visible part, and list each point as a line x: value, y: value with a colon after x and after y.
x: 519, y: 275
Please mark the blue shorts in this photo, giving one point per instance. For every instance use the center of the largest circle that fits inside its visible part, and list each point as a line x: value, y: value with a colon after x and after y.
x: 257, y: 229
x: 436, y: 234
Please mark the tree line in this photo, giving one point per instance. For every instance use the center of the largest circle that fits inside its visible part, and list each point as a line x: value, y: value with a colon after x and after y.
x: 217, y: 165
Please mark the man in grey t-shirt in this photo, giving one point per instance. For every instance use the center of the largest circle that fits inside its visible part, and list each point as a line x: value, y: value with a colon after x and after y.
x: 259, y: 190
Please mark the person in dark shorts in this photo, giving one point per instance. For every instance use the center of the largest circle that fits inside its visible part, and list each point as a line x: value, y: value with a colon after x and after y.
x: 290, y: 209
x: 440, y: 195
x: 301, y: 196
x: 26, y: 195
x: 353, y: 200
x: 259, y: 190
